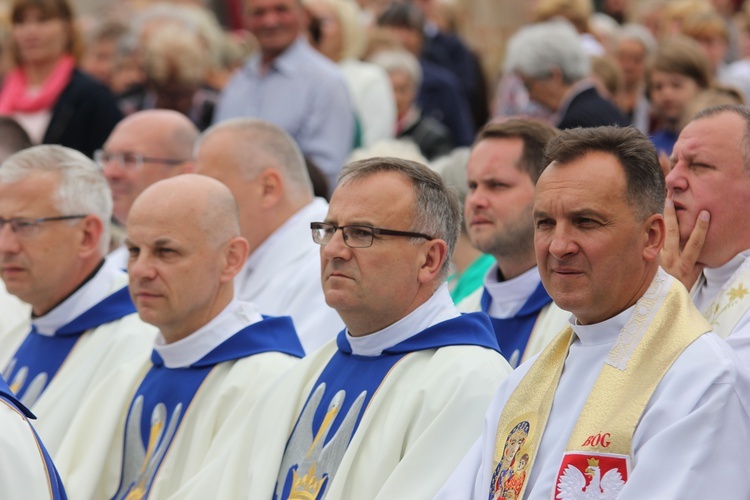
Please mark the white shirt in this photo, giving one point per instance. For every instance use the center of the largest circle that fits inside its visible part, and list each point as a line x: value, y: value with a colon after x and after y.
x: 186, y: 351
x: 437, y: 309
x: 509, y: 296
x: 282, y: 277
x: 691, y: 441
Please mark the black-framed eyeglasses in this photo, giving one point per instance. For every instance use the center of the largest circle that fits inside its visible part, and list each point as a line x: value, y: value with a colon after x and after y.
x: 130, y: 161
x: 356, y: 236
x: 23, y: 226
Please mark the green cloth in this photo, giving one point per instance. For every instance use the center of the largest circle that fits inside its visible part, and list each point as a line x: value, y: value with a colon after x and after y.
x: 472, y: 278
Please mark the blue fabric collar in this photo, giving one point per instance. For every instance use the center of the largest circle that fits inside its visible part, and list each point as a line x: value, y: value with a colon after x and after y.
x: 467, y: 329
x: 536, y: 301
x: 113, y: 307
x: 273, y: 334
x: 6, y: 393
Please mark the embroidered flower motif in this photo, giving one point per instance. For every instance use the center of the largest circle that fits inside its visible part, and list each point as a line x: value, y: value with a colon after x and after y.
x: 738, y: 292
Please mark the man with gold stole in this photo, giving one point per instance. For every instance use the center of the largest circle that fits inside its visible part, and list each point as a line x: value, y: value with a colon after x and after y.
x: 637, y: 398
x: 388, y: 408
x: 708, y: 194
x: 146, y: 429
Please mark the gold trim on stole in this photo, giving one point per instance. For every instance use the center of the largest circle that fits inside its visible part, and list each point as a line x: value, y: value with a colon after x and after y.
x: 664, y: 322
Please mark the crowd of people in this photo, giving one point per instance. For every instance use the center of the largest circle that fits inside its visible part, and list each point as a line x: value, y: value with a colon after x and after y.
x: 318, y: 257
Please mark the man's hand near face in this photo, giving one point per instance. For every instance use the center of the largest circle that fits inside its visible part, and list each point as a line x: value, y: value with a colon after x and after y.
x: 682, y: 263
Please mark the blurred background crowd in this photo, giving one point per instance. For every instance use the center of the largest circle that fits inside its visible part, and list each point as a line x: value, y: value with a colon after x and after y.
x: 433, y: 71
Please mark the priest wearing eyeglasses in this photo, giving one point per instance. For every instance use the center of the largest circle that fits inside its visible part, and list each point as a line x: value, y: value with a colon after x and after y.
x: 387, y: 408
x: 55, y: 208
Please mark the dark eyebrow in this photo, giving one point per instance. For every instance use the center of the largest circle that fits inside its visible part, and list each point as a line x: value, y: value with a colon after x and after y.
x: 586, y: 212
x: 163, y: 242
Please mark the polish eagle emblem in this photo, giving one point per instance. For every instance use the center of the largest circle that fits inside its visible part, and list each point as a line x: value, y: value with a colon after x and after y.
x: 573, y: 485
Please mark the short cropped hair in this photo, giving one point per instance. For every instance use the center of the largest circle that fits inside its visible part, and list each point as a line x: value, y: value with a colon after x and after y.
x: 536, y: 49
x: 705, y: 25
x: 253, y: 136
x: 173, y: 54
x: 683, y: 56
x: 634, y: 152
x: 639, y: 33
x: 743, y: 112
x: 535, y: 135
x: 393, y: 61
x: 402, y: 15
x: 436, y: 211
x: 82, y: 189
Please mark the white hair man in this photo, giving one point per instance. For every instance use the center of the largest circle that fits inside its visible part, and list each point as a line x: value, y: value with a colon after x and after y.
x: 551, y: 62
x: 387, y: 410
x: 55, y: 208
x: 147, y: 429
x: 264, y: 169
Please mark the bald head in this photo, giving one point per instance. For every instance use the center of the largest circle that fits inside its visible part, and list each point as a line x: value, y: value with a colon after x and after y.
x: 185, y: 249
x: 262, y: 166
x: 191, y: 199
x: 163, y: 139
x: 252, y: 145
x: 173, y: 131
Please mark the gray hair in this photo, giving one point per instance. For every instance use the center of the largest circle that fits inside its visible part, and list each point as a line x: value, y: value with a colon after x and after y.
x: 261, y: 144
x: 399, y: 60
x: 82, y: 189
x: 743, y: 112
x: 436, y: 211
x: 636, y: 154
x: 536, y: 49
x: 639, y: 33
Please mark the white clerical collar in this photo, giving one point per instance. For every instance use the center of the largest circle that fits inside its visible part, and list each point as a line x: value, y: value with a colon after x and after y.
x: 509, y: 296
x: 605, y: 332
x: 437, y: 309
x: 94, y: 291
x: 184, y: 352
x: 715, y: 278
x: 305, y: 213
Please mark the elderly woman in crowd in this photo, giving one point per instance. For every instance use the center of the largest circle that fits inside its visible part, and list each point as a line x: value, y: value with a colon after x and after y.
x: 46, y: 93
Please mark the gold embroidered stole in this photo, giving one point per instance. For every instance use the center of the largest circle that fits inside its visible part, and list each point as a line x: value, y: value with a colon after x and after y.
x: 733, y: 300
x: 664, y: 322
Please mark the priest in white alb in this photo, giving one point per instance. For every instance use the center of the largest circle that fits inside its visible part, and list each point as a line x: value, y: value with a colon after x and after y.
x: 147, y: 429
x: 387, y: 409
x: 709, y: 248
x: 637, y: 398
x: 55, y: 208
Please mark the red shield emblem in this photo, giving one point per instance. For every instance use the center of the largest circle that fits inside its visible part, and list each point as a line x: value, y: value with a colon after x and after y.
x: 591, y: 475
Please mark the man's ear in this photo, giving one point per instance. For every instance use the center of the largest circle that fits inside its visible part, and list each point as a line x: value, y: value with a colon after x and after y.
x: 91, y: 235
x: 271, y: 186
x: 654, y: 237
x: 432, y: 257
x: 235, y: 255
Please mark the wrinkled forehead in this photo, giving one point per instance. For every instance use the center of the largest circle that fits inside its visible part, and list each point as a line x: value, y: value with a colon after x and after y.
x: 373, y: 198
